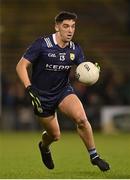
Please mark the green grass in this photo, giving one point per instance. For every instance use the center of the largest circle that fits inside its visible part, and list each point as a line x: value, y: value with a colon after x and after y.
x: 20, y: 157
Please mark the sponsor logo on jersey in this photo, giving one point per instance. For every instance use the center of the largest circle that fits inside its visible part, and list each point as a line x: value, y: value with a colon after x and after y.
x: 56, y: 67
x: 72, y: 56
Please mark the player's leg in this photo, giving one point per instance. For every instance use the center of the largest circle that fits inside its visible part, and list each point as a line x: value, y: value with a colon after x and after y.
x: 72, y: 107
x: 52, y: 130
x: 51, y: 134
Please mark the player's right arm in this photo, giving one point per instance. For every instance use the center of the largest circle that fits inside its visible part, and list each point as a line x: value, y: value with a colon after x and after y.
x: 22, y: 71
x: 28, y: 58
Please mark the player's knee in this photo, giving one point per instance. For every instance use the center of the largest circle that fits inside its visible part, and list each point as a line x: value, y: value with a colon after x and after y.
x: 80, y: 119
x: 55, y: 136
x: 82, y: 123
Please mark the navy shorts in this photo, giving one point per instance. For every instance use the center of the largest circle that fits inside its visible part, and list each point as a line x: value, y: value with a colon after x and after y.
x: 50, y: 102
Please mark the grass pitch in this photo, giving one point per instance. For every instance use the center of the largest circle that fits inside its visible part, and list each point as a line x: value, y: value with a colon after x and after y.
x: 20, y: 157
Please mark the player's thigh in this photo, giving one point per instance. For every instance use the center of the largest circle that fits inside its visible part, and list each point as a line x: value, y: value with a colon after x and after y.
x: 72, y: 107
x: 50, y: 124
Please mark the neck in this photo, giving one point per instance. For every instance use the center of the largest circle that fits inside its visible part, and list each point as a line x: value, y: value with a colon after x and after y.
x: 60, y: 42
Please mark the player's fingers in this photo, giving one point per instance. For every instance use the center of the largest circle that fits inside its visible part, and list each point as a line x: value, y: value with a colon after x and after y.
x: 97, y: 65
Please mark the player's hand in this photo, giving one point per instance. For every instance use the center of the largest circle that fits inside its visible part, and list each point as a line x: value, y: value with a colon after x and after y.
x: 35, y: 99
x: 97, y: 65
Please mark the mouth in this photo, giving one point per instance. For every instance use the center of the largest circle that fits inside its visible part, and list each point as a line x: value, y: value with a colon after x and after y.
x: 69, y: 36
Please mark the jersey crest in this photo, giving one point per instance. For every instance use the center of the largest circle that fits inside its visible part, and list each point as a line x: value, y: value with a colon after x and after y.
x: 72, y: 56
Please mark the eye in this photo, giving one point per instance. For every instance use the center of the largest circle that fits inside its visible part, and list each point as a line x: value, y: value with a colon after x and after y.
x: 73, y: 26
x: 65, y: 26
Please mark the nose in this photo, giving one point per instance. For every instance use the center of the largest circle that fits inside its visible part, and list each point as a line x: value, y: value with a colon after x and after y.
x: 70, y: 29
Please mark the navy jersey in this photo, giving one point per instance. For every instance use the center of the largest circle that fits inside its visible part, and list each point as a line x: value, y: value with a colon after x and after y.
x: 51, y: 64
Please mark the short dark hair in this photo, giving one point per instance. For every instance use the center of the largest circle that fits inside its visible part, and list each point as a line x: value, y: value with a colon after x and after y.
x: 64, y: 15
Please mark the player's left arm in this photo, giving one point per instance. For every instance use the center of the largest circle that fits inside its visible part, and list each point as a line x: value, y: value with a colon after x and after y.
x: 80, y: 57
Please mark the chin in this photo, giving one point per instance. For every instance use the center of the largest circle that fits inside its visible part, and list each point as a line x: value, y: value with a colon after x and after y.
x: 68, y: 39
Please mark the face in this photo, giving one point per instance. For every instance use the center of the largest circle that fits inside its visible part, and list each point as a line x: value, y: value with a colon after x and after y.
x: 66, y: 30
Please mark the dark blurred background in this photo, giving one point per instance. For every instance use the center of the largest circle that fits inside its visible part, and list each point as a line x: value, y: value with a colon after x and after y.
x: 103, y: 31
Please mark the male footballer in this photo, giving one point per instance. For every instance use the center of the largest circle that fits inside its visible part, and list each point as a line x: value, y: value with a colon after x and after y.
x: 49, y: 88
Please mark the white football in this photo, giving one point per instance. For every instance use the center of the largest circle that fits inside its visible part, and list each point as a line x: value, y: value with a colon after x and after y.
x: 87, y: 73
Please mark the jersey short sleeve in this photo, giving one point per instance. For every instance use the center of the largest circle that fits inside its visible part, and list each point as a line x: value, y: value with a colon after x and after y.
x: 33, y: 51
x: 79, y: 55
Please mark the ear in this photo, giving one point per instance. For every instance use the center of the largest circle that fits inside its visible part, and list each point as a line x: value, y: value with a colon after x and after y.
x: 56, y: 27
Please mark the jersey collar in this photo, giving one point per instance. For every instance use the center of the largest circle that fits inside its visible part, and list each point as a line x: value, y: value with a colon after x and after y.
x: 55, y: 42
x: 54, y: 39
